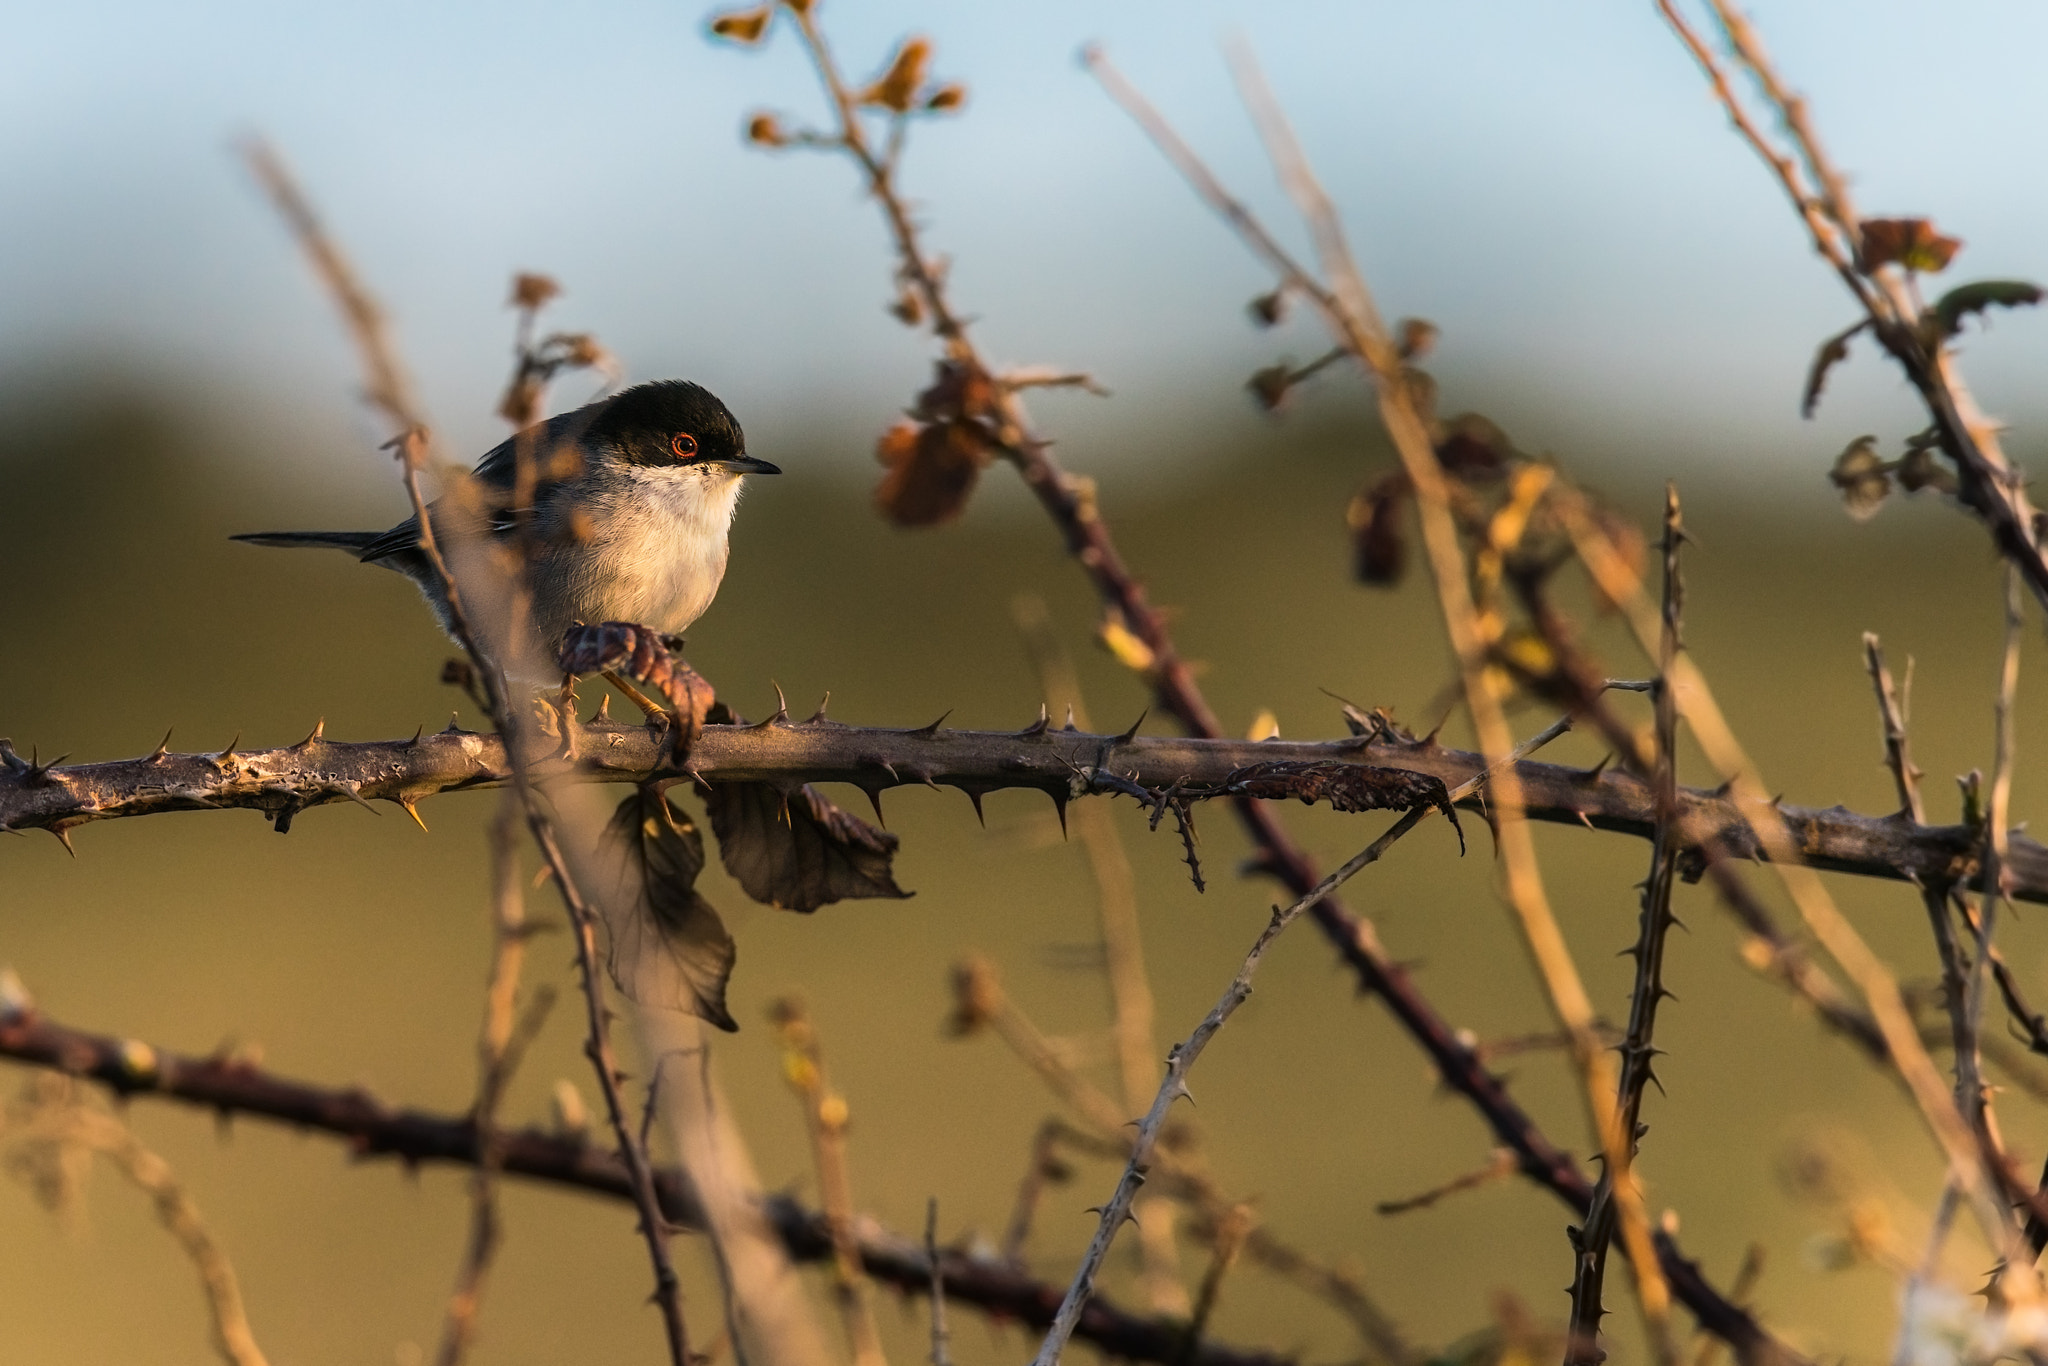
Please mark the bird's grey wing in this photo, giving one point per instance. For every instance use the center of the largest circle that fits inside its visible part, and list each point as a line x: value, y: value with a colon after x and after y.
x: 498, y: 474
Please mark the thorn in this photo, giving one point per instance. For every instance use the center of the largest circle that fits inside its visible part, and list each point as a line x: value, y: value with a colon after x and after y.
x: 354, y: 792
x: 163, y: 747
x: 1059, y: 804
x: 1584, y: 819
x: 315, y: 736
x: 412, y: 810
x: 875, y: 800
x: 1070, y: 716
x: 604, y: 710
x: 452, y: 727
x: 417, y: 732
x: 1038, y: 727
x: 923, y: 775
x: 974, y: 795
x: 1592, y: 775
x: 229, y: 752
x: 933, y: 729
x: 63, y: 838
x: 819, y: 715
x: 781, y: 716
x: 1131, y: 734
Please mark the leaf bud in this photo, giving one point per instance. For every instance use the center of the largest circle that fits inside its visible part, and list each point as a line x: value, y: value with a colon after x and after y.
x: 765, y: 130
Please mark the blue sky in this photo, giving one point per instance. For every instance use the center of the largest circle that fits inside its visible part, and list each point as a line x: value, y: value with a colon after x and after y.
x: 1550, y: 183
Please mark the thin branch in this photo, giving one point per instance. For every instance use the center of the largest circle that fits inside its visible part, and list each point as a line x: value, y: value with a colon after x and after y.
x: 57, y: 1120
x: 1499, y: 1167
x: 228, y: 1086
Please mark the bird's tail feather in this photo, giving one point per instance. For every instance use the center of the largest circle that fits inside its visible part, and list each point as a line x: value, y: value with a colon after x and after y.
x: 351, y: 541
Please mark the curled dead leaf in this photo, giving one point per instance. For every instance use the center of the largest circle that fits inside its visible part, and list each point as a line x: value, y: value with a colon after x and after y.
x: 531, y: 290
x: 1863, y: 478
x: 1377, y: 517
x: 1909, y: 242
x: 1832, y: 352
x: 799, y: 852
x: 934, y: 457
x: 946, y: 99
x: 1416, y: 338
x: 667, y: 947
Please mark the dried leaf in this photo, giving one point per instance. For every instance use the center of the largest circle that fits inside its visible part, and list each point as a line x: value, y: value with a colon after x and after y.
x: 1377, y: 517
x: 765, y: 130
x: 1271, y: 385
x: 1860, y: 473
x: 743, y: 25
x: 936, y: 455
x: 532, y: 291
x: 932, y: 469
x: 1416, y: 339
x: 668, y: 948
x: 1473, y: 447
x: 946, y: 99
x: 1346, y: 787
x: 1268, y: 309
x: 896, y: 88
x: 1832, y: 352
x: 1921, y: 468
x: 801, y: 852
x: 1909, y: 242
x: 1951, y: 308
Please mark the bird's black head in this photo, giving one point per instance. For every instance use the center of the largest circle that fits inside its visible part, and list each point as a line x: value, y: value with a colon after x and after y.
x: 675, y: 423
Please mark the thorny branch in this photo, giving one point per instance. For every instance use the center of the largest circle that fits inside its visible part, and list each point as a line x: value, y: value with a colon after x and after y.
x: 317, y: 771
x: 231, y: 1086
x: 1582, y: 1336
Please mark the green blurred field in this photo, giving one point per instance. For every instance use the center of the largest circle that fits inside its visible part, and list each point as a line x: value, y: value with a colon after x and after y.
x: 353, y: 949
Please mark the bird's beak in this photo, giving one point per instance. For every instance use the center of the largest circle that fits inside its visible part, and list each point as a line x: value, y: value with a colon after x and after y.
x: 746, y: 464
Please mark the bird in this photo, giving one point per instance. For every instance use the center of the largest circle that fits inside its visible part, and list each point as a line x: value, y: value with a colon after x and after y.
x: 631, y: 500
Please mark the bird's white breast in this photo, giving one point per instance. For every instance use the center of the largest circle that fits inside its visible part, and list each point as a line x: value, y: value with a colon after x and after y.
x: 656, y: 550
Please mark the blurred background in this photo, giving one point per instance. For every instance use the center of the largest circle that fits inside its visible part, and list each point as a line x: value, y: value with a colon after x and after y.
x: 1618, y: 282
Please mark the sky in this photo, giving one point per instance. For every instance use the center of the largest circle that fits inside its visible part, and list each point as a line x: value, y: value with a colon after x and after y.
x: 1614, y: 272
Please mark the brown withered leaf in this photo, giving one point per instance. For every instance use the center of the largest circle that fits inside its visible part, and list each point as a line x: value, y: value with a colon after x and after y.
x: 643, y: 653
x: 1346, y: 787
x: 934, y: 457
x: 1473, y: 447
x: 896, y: 89
x: 743, y: 25
x: 1377, y: 517
x: 1909, y: 242
x: 1863, y: 477
x: 800, y: 853
x: 932, y: 469
x: 667, y: 946
x: 531, y: 290
x: 1832, y: 352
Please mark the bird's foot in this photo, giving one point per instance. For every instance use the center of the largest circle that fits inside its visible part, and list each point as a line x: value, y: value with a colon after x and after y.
x: 622, y: 650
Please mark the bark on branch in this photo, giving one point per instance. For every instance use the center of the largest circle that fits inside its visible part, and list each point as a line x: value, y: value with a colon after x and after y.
x: 1061, y: 763
x: 375, y: 1129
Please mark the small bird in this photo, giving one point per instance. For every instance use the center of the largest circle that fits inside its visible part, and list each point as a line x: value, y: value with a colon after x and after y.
x: 631, y: 501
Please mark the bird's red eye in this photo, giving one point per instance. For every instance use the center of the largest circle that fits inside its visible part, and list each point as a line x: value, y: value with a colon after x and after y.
x: 684, y: 445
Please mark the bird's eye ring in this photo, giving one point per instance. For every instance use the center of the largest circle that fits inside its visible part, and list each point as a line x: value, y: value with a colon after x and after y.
x: 684, y: 445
